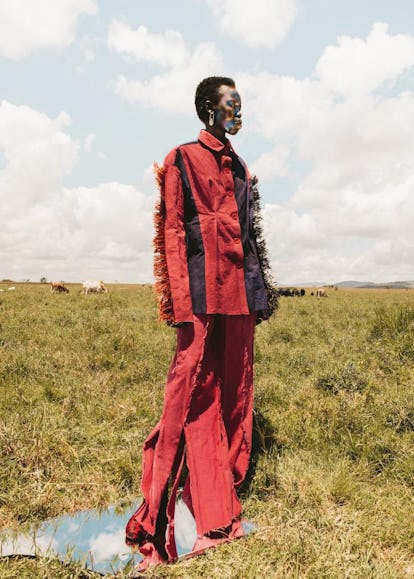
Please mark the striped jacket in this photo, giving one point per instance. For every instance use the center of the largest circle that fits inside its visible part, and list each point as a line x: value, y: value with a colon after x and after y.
x: 209, y: 254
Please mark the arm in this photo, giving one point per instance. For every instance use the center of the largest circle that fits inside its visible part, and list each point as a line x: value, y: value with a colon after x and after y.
x: 175, y: 243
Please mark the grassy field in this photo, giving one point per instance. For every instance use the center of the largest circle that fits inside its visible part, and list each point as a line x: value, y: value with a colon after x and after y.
x: 331, y: 486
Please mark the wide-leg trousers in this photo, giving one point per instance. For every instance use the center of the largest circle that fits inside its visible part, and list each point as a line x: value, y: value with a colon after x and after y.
x: 206, y: 421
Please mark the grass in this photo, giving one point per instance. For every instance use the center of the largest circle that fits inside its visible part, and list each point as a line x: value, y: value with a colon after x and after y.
x: 331, y: 486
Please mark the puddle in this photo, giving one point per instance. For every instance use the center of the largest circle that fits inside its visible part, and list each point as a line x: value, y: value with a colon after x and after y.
x: 94, y: 538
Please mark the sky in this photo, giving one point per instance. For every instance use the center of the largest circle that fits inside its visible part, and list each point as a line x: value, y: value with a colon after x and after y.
x: 93, y: 92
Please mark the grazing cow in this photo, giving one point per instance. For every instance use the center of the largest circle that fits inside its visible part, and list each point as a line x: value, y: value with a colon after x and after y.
x: 321, y: 293
x: 11, y: 288
x: 290, y: 292
x: 94, y: 287
x: 58, y: 287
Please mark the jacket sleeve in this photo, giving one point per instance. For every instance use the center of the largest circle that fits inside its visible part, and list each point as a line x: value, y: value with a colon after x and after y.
x: 175, y: 243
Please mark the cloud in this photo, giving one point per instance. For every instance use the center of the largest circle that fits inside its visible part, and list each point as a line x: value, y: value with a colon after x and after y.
x: 365, y: 64
x: 107, y: 545
x: 88, y: 142
x: 13, y: 543
x: 172, y: 90
x: 65, y: 233
x: 166, y: 49
x: 256, y: 24
x: 271, y: 164
x: 38, y: 154
x: 351, y: 214
x: 28, y: 26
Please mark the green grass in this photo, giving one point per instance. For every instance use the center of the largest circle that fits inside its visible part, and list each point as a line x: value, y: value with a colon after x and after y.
x: 331, y: 486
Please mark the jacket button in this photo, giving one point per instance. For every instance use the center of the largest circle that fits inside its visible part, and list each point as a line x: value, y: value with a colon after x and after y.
x: 236, y: 240
x: 229, y: 193
x: 234, y: 215
x: 239, y: 266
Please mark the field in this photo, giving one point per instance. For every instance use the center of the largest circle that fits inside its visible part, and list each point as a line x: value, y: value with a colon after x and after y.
x: 331, y: 486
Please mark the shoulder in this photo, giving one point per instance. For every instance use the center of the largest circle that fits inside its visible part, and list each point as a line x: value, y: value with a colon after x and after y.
x: 171, y: 158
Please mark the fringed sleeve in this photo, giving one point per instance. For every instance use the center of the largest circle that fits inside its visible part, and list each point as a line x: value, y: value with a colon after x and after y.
x: 162, y: 283
x: 170, y: 254
x: 270, y: 285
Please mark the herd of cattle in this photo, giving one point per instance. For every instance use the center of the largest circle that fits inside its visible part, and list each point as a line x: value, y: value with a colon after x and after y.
x: 88, y: 287
x: 291, y: 292
x: 98, y: 287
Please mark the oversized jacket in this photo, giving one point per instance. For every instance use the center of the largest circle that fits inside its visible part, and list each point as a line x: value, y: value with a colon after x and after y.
x: 209, y: 254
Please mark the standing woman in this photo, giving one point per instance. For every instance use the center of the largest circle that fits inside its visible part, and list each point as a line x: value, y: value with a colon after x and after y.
x: 214, y: 285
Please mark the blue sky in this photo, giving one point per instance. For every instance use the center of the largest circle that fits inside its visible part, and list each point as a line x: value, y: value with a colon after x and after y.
x: 92, y: 92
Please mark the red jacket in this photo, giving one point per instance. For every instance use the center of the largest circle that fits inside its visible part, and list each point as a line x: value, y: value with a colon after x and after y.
x: 206, y: 250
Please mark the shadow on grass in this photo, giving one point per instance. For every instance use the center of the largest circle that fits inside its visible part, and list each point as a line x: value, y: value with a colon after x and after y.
x: 264, y: 440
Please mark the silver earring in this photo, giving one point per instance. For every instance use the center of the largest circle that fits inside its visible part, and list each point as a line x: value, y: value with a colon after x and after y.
x: 211, y: 118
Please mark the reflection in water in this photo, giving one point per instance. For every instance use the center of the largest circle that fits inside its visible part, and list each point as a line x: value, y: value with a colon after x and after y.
x: 95, y: 538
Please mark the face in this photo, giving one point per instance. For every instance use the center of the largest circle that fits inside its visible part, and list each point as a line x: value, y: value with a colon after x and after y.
x: 228, y: 110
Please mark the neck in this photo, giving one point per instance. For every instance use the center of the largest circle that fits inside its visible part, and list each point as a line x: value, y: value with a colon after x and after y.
x: 217, y: 132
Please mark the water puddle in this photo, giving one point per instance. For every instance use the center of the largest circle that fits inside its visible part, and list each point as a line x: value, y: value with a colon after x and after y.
x: 94, y: 538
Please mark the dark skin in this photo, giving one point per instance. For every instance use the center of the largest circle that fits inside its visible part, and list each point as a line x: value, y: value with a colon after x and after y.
x: 224, y: 111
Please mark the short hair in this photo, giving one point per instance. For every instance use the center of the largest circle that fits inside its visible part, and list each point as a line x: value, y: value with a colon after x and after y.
x: 207, y: 90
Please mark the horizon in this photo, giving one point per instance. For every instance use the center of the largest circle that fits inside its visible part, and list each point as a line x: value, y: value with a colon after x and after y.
x: 277, y: 283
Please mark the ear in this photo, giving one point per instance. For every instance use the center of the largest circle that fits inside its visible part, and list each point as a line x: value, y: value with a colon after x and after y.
x: 208, y: 106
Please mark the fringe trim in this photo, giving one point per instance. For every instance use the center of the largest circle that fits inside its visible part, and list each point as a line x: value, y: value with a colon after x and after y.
x: 162, y: 282
x: 270, y: 284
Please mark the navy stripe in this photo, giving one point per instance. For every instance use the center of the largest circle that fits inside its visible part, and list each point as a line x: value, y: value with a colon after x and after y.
x: 253, y: 277
x: 194, y: 243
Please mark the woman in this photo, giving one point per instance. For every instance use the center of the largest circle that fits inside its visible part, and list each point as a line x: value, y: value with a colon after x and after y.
x: 213, y: 284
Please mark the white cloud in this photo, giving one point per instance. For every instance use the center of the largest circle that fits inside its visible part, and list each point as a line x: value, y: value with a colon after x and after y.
x: 259, y: 23
x: 105, y: 546
x: 352, y: 212
x: 65, y: 233
x: 88, y: 142
x: 357, y: 66
x: 38, y: 154
x: 173, y: 90
x: 26, y: 26
x: 271, y: 164
x: 89, y: 55
x: 166, y: 49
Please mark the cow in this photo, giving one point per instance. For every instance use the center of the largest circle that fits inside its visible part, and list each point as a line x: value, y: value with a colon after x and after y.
x: 58, y: 287
x: 291, y: 292
x: 321, y: 293
x: 286, y: 292
x: 12, y: 288
x: 94, y: 287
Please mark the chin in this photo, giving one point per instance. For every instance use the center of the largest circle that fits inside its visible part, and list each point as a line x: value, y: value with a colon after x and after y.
x: 234, y: 130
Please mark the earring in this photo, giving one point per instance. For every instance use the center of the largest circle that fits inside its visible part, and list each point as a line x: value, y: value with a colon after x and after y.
x: 211, y: 118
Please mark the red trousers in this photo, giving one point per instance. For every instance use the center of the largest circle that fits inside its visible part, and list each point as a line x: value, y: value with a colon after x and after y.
x: 207, y: 421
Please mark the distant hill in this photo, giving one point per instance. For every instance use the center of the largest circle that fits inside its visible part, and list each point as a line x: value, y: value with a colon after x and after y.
x: 369, y: 284
x: 305, y: 284
x: 357, y: 284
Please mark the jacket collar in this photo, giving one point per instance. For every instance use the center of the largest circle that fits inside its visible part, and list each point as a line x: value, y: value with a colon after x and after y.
x: 212, y: 143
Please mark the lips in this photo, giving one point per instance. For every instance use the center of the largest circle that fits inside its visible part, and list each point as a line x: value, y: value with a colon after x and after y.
x: 234, y: 128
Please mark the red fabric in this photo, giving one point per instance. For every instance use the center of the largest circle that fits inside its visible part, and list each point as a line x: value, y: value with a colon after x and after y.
x: 175, y: 244
x: 207, y: 408
x: 212, y: 185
